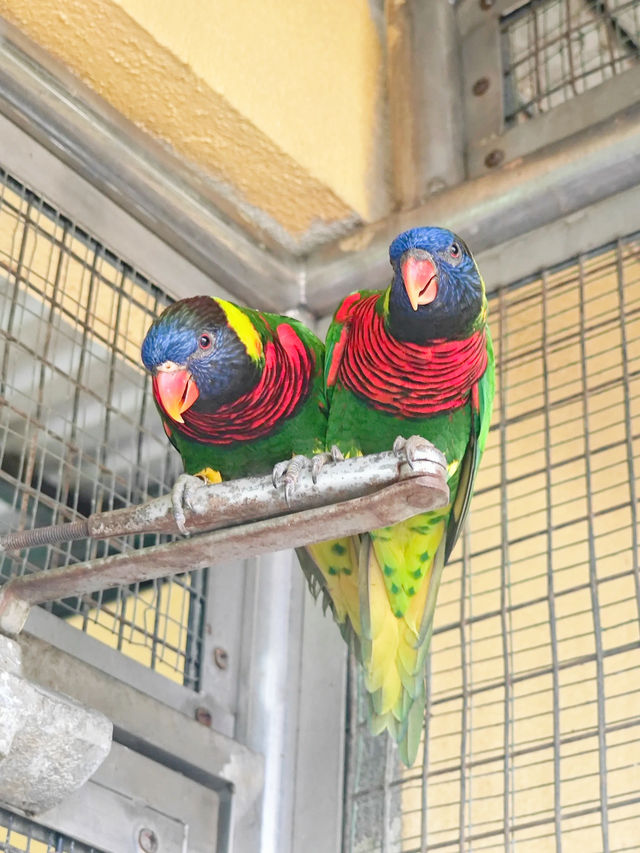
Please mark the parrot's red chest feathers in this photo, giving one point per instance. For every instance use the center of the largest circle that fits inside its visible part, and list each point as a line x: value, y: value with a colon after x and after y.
x: 284, y: 384
x: 405, y: 379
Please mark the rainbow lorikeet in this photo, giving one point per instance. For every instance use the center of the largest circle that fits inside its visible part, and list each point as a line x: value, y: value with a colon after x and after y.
x: 238, y: 390
x: 413, y: 360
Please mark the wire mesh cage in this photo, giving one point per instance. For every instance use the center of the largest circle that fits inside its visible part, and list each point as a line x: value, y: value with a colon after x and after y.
x: 556, y: 49
x: 20, y: 835
x: 532, y: 734
x: 78, y: 431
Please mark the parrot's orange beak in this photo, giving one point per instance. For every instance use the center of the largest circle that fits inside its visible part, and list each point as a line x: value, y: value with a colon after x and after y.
x: 176, y: 391
x: 420, y: 280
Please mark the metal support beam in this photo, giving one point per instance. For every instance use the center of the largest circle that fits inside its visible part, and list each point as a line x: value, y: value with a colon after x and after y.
x: 541, y: 188
x: 156, y: 189
x: 425, y: 105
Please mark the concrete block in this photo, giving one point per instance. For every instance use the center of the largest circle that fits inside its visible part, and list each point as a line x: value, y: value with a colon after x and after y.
x: 49, y: 743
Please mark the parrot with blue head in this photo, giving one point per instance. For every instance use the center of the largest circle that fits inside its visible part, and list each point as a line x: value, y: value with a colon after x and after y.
x: 238, y: 390
x: 412, y: 362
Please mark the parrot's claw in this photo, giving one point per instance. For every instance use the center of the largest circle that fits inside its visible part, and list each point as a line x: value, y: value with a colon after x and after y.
x: 287, y: 473
x: 279, y: 470
x: 320, y: 460
x: 412, y: 449
x: 181, y: 493
x: 336, y: 454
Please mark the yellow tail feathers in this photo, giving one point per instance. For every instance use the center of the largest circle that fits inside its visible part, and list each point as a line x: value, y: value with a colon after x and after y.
x: 400, y: 570
x: 337, y: 561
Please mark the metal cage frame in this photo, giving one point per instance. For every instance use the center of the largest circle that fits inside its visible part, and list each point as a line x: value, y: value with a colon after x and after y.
x: 490, y: 140
x: 76, y: 157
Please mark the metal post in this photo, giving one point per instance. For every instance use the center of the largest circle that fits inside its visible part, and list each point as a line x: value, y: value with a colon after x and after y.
x: 425, y: 105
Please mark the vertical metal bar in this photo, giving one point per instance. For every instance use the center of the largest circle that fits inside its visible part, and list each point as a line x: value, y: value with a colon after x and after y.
x: 139, y: 489
x: 424, y: 822
x: 17, y: 275
x: 505, y: 576
x: 54, y: 306
x: 572, y: 70
x: 102, y: 450
x: 536, y: 59
x: 593, y: 577
x: 633, y: 493
x: 73, y: 447
x: 351, y: 754
x: 224, y: 840
x: 424, y: 97
x: 389, y: 761
x: 601, y: 9
x: 464, y: 722
x: 510, y: 100
x: 158, y: 586
x: 33, y: 442
x: 194, y: 628
x: 83, y: 349
x: 90, y: 548
x: 551, y: 602
x: 113, y: 361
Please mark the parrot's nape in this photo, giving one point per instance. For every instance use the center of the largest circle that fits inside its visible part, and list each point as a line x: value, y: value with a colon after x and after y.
x: 413, y: 360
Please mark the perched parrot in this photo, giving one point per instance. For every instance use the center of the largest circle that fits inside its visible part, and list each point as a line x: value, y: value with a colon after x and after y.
x: 413, y: 360
x: 238, y: 390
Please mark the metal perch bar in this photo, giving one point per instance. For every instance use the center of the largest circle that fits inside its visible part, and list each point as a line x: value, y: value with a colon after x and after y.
x: 349, y: 497
x: 237, y: 501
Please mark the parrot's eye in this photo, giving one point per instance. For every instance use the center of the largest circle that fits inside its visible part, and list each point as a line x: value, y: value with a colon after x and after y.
x: 453, y: 255
x: 204, y: 341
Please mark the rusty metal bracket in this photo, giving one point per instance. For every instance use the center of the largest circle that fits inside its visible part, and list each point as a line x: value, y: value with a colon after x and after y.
x: 239, y: 518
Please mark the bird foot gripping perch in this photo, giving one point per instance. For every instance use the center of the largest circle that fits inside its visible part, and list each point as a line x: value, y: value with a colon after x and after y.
x: 287, y: 473
x: 412, y: 449
x: 185, y: 491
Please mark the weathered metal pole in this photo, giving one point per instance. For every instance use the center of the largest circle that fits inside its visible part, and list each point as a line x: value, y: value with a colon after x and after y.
x: 425, y: 102
x: 390, y: 491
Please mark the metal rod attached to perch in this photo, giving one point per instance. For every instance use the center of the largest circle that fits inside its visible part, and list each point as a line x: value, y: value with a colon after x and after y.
x: 349, y: 497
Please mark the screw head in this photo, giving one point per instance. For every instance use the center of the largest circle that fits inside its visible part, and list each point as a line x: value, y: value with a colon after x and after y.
x: 221, y: 657
x: 486, y: 4
x: 494, y: 158
x: 148, y: 841
x: 480, y: 86
x: 203, y: 717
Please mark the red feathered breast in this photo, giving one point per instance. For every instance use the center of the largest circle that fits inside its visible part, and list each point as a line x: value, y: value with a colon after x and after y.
x: 283, y: 386
x: 406, y: 379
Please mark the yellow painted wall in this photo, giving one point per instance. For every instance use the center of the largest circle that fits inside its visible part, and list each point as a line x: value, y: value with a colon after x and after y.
x: 307, y: 73
x: 277, y: 99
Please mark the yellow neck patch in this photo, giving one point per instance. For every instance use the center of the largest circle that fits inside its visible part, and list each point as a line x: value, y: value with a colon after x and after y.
x: 243, y: 327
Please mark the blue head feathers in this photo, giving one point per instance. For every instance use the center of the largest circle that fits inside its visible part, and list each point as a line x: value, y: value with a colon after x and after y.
x: 221, y: 368
x: 437, y: 291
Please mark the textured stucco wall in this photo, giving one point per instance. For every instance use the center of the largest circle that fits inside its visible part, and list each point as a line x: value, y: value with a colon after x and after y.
x: 278, y: 100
